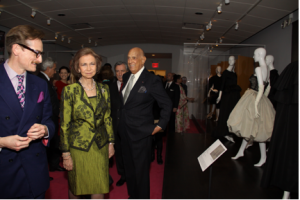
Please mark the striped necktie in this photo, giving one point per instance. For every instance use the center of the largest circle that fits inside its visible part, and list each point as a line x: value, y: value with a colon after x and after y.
x: 21, y: 90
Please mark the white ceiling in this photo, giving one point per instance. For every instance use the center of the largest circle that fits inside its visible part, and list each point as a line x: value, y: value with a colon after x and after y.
x: 145, y: 21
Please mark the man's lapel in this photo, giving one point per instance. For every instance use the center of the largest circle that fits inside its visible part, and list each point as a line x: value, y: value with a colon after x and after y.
x: 137, y: 85
x: 8, y: 94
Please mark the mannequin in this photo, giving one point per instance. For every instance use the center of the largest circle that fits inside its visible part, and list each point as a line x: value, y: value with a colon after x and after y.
x: 230, y: 95
x: 273, y: 77
x: 215, y: 85
x: 253, y: 116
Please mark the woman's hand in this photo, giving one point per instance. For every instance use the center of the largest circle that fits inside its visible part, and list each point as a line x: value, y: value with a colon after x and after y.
x: 68, y: 163
x: 111, y: 150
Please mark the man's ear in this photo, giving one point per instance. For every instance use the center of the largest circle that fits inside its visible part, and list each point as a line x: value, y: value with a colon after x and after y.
x: 144, y: 59
x: 15, y: 49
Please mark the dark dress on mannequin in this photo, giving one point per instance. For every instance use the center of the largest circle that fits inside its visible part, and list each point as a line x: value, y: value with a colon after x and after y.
x: 281, y: 167
x: 273, y: 78
x: 230, y: 97
x: 216, y: 81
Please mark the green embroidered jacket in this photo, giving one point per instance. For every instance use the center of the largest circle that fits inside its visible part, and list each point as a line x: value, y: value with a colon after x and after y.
x: 80, y: 124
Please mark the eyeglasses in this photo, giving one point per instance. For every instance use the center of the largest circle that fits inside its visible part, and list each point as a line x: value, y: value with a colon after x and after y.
x: 37, y: 53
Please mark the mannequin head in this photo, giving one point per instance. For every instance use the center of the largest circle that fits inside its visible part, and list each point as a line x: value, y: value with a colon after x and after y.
x: 231, y: 60
x: 269, y: 59
x: 218, y: 70
x: 259, y: 54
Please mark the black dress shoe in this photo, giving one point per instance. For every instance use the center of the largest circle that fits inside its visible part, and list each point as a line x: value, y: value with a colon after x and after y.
x: 50, y: 178
x: 120, y: 182
x: 152, y: 157
x: 111, y: 180
x: 59, y: 168
x: 159, y: 160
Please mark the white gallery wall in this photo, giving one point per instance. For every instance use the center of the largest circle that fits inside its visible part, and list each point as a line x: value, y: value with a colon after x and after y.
x: 278, y: 43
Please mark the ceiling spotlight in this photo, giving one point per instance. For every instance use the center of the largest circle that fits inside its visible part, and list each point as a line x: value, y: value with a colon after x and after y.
x: 62, y: 38
x: 82, y: 46
x: 217, y: 43
x: 96, y: 44
x: 290, y: 18
x: 69, y: 40
x: 236, y: 26
x: 56, y: 36
x: 202, y: 36
x: 90, y: 40
x: 221, y: 41
x: 0, y: 12
x: 33, y: 13
x: 49, y: 21
x: 209, y: 24
x: 219, y: 8
x: 207, y: 27
x: 227, y: 1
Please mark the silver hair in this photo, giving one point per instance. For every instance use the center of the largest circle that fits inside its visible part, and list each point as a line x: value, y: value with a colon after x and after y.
x: 121, y: 63
x: 48, y: 62
x: 184, y: 78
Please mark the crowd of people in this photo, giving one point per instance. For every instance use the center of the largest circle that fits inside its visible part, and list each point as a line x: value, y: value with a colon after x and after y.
x: 85, y: 118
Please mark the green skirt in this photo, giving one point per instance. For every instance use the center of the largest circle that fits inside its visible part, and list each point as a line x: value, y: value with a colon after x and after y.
x: 90, y: 174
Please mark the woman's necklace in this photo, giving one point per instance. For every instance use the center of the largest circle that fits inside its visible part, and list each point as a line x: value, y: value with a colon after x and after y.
x: 94, y: 84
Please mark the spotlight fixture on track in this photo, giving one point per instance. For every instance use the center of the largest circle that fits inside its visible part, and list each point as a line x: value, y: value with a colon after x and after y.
x: 82, y: 46
x: 90, y: 41
x: 290, y: 18
x: 56, y: 36
x: 217, y: 44
x: 69, y: 40
x: 202, y: 36
x: 62, y: 38
x: 219, y: 8
x: 96, y: 44
x: 227, y: 1
x: 209, y: 25
x: 33, y: 13
x: 220, y: 40
x: 49, y: 21
x: 236, y: 26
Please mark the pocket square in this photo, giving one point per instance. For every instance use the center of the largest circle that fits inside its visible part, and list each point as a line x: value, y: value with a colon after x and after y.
x: 41, y: 97
x: 142, y: 89
x: 171, y: 90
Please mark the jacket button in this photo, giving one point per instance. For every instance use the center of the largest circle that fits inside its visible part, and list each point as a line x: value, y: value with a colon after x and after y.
x: 10, y: 160
x: 38, y: 117
x: 7, y: 117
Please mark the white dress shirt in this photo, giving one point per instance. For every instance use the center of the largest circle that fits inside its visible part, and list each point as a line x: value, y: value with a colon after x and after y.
x: 136, y: 77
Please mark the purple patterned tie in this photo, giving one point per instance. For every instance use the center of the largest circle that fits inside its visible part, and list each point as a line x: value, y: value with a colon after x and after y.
x: 21, y: 90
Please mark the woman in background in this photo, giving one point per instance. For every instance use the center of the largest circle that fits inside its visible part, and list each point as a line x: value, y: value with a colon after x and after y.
x: 182, y: 121
x: 64, y: 74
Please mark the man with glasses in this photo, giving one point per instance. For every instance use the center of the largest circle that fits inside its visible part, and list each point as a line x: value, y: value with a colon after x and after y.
x: 25, y: 117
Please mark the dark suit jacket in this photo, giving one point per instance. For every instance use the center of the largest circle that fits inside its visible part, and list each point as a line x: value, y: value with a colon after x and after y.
x: 115, y: 101
x: 174, y: 93
x: 138, y: 109
x: 54, y: 101
x: 28, y: 166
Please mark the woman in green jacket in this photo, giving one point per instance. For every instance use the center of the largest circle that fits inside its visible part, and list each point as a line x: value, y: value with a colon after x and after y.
x: 86, y: 138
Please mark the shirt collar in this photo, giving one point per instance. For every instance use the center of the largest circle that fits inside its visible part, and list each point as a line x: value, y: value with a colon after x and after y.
x: 10, y: 72
x: 137, y: 75
x: 45, y: 75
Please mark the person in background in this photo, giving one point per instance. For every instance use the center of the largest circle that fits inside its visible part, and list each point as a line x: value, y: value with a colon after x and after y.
x: 48, y: 69
x: 182, y: 121
x: 115, y: 95
x: 173, y: 91
x: 183, y: 85
x: 87, y: 139
x: 26, y: 125
x: 64, y: 73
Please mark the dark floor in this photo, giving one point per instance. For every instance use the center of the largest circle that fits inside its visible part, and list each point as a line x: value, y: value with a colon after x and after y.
x: 231, y: 179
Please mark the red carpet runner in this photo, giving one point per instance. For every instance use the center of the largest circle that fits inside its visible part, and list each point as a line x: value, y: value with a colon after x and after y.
x: 59, y: 186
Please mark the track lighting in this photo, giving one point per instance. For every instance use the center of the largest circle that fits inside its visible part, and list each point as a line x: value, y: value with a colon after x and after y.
x: 33, y: 13
x: 202, y: 36
x: 96, y: 44
x: 219, y: 8
x: 62, y: 38
x: 69, y: 40
x: 90, y: 40
x: 227, y: 1
x: 56, y: 36
x: 48, y: 22
x: 290, y: 18
x: 236, y: 26
x: 82, y: 46
x: 217, y: 44
x: 209, y: 25
x: 221, y: 41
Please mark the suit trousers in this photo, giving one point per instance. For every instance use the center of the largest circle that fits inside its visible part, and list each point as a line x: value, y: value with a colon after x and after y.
x: 137, y: 159
x: 171, y: 125
x: 119, y: 157
x: 53, y: 152
x: 41, y: 196
x: 157, y: 141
